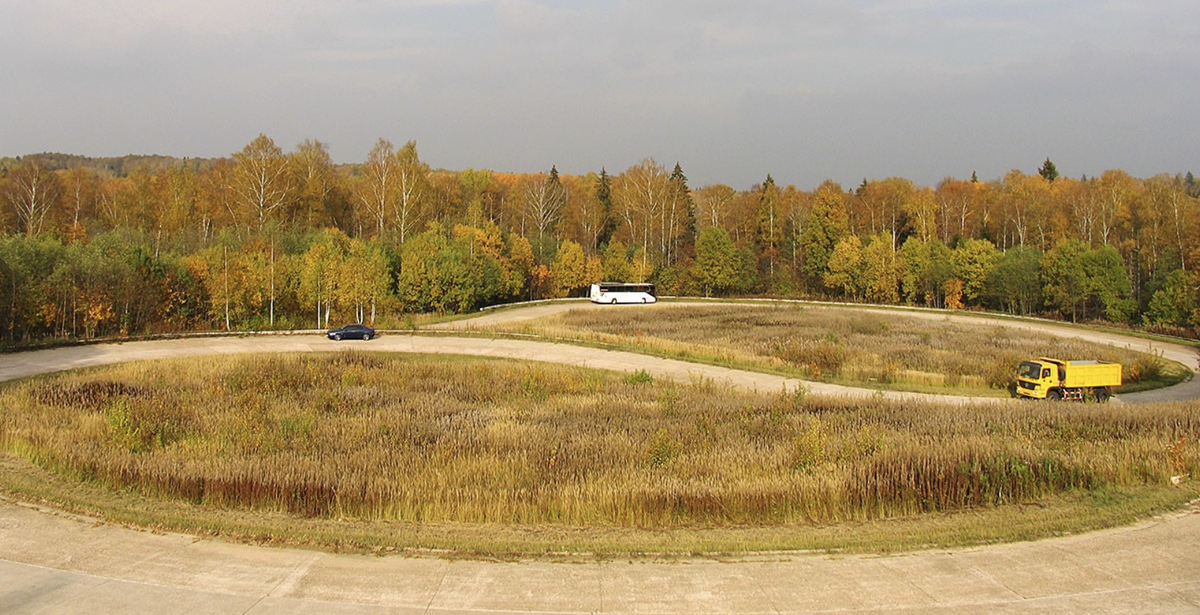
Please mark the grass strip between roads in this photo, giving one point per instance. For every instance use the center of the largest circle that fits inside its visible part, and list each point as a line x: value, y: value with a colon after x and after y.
x: 1045, y: 518
x: 913, y: 351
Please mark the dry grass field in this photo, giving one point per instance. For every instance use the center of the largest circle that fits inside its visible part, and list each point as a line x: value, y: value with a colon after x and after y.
x: 840, y: 344
x: 486, y: 443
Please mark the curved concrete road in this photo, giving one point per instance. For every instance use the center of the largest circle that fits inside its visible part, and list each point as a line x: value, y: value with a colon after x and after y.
x: 1189, y: 356
x: 51, y: 562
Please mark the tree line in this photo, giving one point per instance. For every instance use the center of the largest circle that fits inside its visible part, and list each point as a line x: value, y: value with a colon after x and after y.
x: 271, y: 239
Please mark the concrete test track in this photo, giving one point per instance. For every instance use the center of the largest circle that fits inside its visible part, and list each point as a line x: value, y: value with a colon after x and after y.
x: 52, y: 562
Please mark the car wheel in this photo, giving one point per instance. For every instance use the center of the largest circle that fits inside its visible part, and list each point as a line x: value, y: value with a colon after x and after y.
x: 337, y: 337
x: 366, y: 337
x: 614, y: 302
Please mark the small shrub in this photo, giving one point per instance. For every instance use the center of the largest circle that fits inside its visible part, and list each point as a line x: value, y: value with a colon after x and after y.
x: 663, y: 449
x: 641, y: 376
x: 124, y: 430
x: 535, y: 388
x: 139, y: 426
x: 1147, y: 367
x: 811, y: 446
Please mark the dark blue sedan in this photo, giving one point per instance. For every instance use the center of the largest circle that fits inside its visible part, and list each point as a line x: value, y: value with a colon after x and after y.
x: 351, y: 332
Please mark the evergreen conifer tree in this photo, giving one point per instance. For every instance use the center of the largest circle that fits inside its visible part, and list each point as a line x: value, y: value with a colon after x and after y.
x: 604, y: 195
x: 1048, y: 170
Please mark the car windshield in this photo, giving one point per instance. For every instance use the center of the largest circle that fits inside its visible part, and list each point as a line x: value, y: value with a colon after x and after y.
x: 1030, y: 370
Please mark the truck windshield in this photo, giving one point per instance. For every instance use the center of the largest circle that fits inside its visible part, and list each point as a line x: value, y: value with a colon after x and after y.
x: 1030, y: 370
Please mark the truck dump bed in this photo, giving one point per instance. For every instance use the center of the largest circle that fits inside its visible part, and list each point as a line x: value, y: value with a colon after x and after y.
x: 1077, y: 374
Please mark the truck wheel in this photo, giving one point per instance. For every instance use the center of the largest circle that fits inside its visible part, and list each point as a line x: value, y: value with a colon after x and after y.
x: 1103, y: 395
x: 1054, y: 395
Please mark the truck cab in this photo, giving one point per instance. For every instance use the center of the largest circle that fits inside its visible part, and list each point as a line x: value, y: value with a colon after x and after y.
x: 1035, y: 379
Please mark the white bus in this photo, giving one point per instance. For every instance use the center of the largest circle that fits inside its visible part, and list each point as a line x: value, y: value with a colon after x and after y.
x: 618, y: 292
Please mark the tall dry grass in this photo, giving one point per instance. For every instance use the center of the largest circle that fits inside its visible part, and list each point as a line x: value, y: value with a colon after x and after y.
x: 434, y: 439
x: 836, y: 344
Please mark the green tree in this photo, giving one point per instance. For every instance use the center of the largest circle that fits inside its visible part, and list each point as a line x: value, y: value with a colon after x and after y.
x: 439, y: 275
x: 1065, y: 279
x: 679, y: 218
x: 1176, y: 303
x: 26, y: 263
x: 418, y: 257
x: 641, y: 268
x: 1108, y: 284
x: 1048, y: 170
x: 927, y: 267
x: 973, y: 262
x: 1014, y: 283
x: 604, y: 196
x: 717, y: 265
x: 486, y: 245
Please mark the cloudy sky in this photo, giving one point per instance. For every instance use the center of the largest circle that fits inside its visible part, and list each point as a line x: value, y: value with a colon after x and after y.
x: 732, y: 90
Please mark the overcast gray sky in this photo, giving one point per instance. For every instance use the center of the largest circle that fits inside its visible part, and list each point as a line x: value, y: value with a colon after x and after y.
x: 803, y: 90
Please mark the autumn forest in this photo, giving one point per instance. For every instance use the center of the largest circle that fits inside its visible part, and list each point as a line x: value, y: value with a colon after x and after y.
x: 269, y: 239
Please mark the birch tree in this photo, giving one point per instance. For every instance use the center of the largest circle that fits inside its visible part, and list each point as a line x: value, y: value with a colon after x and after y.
x: 317, y: 184
x: 413, y: 190
x: 377, y: 191
x: 261, y: 180
x: 640, y: 195
x: 542, y: 202
x: 32, y: 191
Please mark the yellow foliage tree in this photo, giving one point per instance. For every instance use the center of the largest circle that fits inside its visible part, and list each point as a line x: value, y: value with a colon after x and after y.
x: 569, y: 271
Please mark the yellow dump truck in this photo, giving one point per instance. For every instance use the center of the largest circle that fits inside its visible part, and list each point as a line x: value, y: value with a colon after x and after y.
x: 1074, y: 380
